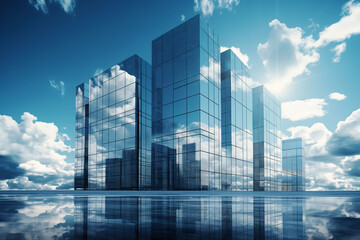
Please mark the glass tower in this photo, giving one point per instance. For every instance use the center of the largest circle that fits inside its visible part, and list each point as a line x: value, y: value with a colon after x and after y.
x: 236, y: 124
x: 293, y: 165
x: 186, y: 109
x: 113, y: 149
x: 267, y: 140
x: 82, y: 134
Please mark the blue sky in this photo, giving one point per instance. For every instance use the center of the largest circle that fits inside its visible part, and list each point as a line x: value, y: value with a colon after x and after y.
x: 302, y: 50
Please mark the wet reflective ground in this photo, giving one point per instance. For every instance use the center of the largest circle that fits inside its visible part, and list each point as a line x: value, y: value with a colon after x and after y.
x: 179, y: 215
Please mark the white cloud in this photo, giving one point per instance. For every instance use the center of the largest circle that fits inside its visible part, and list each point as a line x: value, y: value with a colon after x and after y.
x: 228, y: 4
x: 339, y: 49
x: 326, y: 169
x: 347, y: 26
x: 351, y: 125
x: 337, y: 96
x: 329, y: 176
x: 346, y: 139
x: 322, y: 171
x: 42, y: 5
x: 67, y: 5
x: 207, y: 7
x: 35, y: 167
x: 303, y: 109
x: 182, y: 17
x: 315, y: 138
x: 243, y: 57
x: 39, y: 5
x: 60, y: 86
x: 285, y: 55
x: 323, y: 175
x: 39, y: 149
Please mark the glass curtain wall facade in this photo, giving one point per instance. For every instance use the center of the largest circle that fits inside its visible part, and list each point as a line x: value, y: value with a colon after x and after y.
x: 186, y: 110
x: 81, y: 138
x: 267, y: 140
x: 293, y: 165
x: 236, y: 124
x: 119, y: 133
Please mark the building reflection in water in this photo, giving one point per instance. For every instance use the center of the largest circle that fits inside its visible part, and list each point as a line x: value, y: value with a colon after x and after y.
x: 161, y: 217
x: 293, y: 218
x: 267, y: 218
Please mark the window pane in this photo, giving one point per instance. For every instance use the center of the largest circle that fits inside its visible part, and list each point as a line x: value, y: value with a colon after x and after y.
x: 168, y: 46
x: 168, y: 76
x: 180, y: 35
x: 193, y: 62
x: 179, y: 93
x: 180, y: 107
x: 180, y: 68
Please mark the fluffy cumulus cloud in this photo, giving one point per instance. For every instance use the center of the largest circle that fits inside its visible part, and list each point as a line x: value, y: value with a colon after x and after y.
x: 35, y: 153
x: 303, y: 109
x: 288, y: 54
x: 42, y: 5
x: 207, y: 7
x: 285, y: 55
x: 332, y: 158
x: 59, y: 86
x: 243, y: 57
x: 338, y: 49
x: 346, y: 139
x: 337, y: 96
x: 324, y: 176
x: 314, y: 137
x: 347, y: 26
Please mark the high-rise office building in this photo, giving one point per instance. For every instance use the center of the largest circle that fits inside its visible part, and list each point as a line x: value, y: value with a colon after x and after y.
x: 184, y: 123
x: 82, y: 136
x: 113, y: 123
x: 236, y: 124
x: 293, y: 169
x: 267, y: 140
x: 186, y: 108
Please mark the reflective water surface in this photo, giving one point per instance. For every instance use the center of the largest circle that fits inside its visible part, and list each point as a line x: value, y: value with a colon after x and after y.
x: 178, y: 215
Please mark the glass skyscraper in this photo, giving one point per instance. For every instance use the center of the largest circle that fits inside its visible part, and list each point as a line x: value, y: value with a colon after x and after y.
x: 236, y: 124
x: 186, y: 122
x: 186, y: 109
x: 293, y: 165
x: 82, y: 134
x: 113, y: 124
x: 267, y: 140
